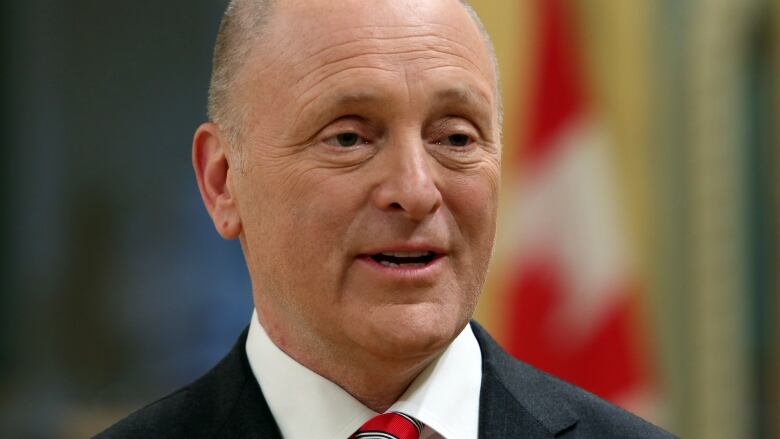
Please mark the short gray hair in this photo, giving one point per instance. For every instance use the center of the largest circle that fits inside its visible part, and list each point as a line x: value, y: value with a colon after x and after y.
x: 243, y: 24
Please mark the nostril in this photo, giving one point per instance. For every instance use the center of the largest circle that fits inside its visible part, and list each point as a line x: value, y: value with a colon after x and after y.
x: 396, y: 206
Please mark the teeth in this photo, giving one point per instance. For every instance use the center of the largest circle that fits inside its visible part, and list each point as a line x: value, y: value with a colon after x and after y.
x: 394, y: 265
x: 407, y: 254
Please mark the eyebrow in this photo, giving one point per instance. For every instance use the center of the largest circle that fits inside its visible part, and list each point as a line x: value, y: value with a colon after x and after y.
x: 341, y: 100
x: 463, y: 94
x: 460, y: 94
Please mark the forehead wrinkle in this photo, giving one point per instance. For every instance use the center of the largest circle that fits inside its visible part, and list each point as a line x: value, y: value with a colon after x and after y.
x: 440, y: 43
x: 326, y: 70
x: 375, y: 33
x: 429, y: 33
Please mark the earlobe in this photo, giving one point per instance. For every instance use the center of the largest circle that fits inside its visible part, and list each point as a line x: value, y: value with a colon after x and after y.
x: 212, y: 171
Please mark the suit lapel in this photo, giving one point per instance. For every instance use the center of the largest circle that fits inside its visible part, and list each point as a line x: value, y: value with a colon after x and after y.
x: 250, y: 417
x: 515, y: 399
x: 232, y: 388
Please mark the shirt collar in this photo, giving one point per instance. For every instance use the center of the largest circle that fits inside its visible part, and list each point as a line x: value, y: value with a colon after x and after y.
x: 445, y: 396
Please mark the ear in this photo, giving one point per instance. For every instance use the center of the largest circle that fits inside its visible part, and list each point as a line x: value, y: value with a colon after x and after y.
x: 212, y: 170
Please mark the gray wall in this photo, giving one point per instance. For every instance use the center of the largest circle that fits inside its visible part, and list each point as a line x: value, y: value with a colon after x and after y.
x: 110, y: 264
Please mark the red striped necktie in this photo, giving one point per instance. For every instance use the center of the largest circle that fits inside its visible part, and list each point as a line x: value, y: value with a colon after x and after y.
x: 392, y: 425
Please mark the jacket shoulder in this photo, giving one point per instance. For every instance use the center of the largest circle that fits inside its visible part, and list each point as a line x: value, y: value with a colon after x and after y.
x: 599, y: 418
x: 170, y: 416
x: 215, y: 404
x: 551, y: 405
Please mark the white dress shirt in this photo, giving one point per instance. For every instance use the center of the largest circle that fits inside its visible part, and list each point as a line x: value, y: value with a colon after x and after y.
x: 444, y: 397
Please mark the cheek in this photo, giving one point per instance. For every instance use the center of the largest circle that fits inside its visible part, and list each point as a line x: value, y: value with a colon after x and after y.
x: 308, y: 222
x: 473, y: 200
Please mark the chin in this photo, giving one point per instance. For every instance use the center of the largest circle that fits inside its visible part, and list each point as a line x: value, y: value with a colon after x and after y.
x: 418, y: 330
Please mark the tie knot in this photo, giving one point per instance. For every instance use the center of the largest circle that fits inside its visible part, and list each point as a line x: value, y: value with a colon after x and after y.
x: 392, y: 425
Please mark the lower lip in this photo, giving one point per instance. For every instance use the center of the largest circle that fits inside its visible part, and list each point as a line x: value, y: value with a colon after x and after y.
x: 412, y: 272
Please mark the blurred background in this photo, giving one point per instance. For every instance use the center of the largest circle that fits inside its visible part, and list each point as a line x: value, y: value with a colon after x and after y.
x: 638, y: 245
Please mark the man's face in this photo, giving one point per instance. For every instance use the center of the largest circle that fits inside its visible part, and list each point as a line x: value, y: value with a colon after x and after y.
x: 368, y: 191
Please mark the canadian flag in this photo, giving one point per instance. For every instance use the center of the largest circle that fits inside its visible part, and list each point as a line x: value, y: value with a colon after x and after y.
x: 571, y: 299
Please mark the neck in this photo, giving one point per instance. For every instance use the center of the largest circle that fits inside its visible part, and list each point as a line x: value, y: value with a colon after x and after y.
x: 376, y: 385
x: 377, y: 382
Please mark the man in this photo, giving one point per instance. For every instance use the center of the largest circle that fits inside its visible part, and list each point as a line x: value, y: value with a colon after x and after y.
x: 354, y: 149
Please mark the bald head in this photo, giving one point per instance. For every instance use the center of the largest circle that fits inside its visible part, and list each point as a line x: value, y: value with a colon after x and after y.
x: 242, y: 27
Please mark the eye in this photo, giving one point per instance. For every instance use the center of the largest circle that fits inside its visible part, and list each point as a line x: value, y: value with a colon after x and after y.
x: 456, y: 140
x: 345, y: 140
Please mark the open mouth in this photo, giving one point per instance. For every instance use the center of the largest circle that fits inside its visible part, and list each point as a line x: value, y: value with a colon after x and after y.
x: 404, y: 259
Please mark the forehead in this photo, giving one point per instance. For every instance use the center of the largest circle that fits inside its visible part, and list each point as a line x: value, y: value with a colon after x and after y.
x: 308, y: 22
x: 322, y: 42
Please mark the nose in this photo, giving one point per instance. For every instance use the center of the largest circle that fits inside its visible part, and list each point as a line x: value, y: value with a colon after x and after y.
x: 409, y: 183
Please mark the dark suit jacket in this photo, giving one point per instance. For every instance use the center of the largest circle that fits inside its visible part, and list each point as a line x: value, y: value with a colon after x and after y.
x: 516, y: 401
